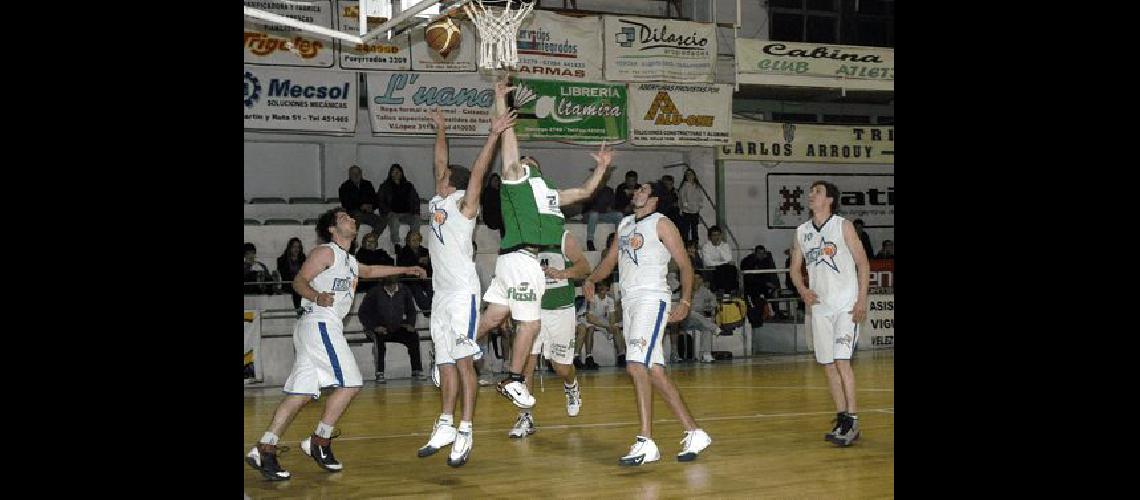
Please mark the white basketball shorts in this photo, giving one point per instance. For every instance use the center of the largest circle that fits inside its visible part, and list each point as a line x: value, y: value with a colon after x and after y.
x: 643, y: 322
x: 833, y: 334
x: 556, y: 337
x: 323, y: 358
x: 454, y: 318
x: 518, y: 284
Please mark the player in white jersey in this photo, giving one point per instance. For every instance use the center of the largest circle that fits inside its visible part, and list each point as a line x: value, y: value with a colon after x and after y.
x: 326, y: 282
x: 646, y: 241
x: 455, y: 305
x: 839, y: 275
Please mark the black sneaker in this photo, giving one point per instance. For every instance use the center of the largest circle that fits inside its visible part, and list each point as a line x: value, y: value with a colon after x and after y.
x: 848, y: 431
x: 263, y: 458
x: 621, y: 361
x: 589, y: 246
x: 577, y: 364
x: 839, y: 417
x: 590, y: 364
x: 321, y: 450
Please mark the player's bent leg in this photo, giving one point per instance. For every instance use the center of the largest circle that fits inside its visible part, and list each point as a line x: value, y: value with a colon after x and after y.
x: 694, y: 439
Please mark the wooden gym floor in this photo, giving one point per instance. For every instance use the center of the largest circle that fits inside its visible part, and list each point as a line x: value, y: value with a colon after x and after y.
x: 766, y: 416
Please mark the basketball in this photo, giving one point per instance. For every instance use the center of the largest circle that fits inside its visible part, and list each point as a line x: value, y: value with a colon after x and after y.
x: 442, y: 36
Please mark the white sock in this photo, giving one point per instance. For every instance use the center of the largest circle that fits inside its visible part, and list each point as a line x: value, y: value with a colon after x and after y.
x: 269, y: 438
x: 465, y: 426
x: 324, y: 430
x: 445, y: 418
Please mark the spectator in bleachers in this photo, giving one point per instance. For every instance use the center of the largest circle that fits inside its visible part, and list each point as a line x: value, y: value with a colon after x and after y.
x: 492, y: 206
x: 700, y: 317
x: 358, y: 197
x: 717, y: 254
x: 670, y: 201
x: 758, y: 288
x: 601, y: 314
x: 888, y: 250
x: 600, y: 207
x: 868, y: 248
x: 400, y: 202
x: 288, y: 265
x: 623, y: 195
x: 370, y: 253
x: 691, y: 200
x: 255, y: 272
x: 693, y: 251
x: 388, y: 314
x: 415, y: 254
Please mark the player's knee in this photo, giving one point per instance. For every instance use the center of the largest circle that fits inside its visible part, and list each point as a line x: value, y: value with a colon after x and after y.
x: 635, y: 369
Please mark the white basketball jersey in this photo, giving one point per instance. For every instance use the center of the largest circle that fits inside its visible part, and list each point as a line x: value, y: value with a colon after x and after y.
x: 340, y: 280
x: 452, y: 255
x: 830, y: 266
x: 643, y: 261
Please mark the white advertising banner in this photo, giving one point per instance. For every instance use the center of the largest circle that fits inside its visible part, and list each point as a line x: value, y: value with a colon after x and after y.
x: 425, y: 58
x: 300, y: 100
x: 797, y: 142
x: 870, y: 197
x: 379, y: 53
x: 640, y: 49
x: 273, y: 44
x: 878, y: 331
x: 767, y: 62
x: 552, y: 46
x: 680, y: 114
x: 400, y: 102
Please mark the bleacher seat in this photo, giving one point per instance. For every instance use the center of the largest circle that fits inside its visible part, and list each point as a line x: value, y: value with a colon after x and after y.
x: 266, y: 200
x: 334, y: 200
x: 306, y: 200
x: 252, y: 222
x: 309, y: 222
x: 282, y: 222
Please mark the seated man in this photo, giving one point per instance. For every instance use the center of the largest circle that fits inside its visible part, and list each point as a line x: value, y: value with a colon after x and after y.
x: 759, y: 288
x: 600, y: 315
x: 388, y: 314
x: 370, y: 253
x: 358, y: 197
x: 700, y: 317
x: 717, y: 255
x: 255, y: 272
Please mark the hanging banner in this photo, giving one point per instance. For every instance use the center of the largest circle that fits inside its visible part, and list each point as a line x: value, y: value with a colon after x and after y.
x: 379, y: 53
x: 273, y: 44
x: 766, y: 62
x: 300, y: 100
x: 579, y: 112
x: 400, y: 102
x: 425, y: 58
x: 678, y: 114
x: 870, y: 197
x: 797, y: 142
x: 643, y: 49
x: 557, y: 47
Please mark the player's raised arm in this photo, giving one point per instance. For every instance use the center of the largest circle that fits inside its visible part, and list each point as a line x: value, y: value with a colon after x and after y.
x: 510, y: 152
x: 469, y: 205
x: 602, y: 161
x: 437, y: 119
x: 367, y: 271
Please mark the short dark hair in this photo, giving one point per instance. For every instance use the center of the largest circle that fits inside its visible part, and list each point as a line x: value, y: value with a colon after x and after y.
x: 832, y: 192
x: 326, y: 220
x: 888, y: 241
x: 249, y: 247
x: 631, y: 172
x: 716, y: 229
x: 859, y: 222
x: 668, y: 177
x: 458, y: 176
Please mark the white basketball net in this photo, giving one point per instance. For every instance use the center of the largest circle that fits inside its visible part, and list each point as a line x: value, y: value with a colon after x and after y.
x: 498, y: 30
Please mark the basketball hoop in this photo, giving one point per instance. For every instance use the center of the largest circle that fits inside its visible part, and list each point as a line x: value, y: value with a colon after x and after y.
x: 498, y: 31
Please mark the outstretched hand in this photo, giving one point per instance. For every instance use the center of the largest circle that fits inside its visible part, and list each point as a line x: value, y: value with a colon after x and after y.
x: 603, y: 157
x: 436, y: 117
x: 503, y: 122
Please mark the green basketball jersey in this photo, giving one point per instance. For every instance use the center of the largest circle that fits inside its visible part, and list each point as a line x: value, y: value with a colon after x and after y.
x: 531, y: 212
x: 559, y: 292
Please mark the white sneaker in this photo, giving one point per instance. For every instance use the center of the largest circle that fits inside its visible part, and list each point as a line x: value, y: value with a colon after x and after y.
x: 573, y: 399
x: 644, y: 450
x: 516, y: 392
x: 441, y: 435
x: 524, y: 426
x: 461, y: 449
x: 435, y: 374
x: 692, y: 444
x: 484, y: 382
